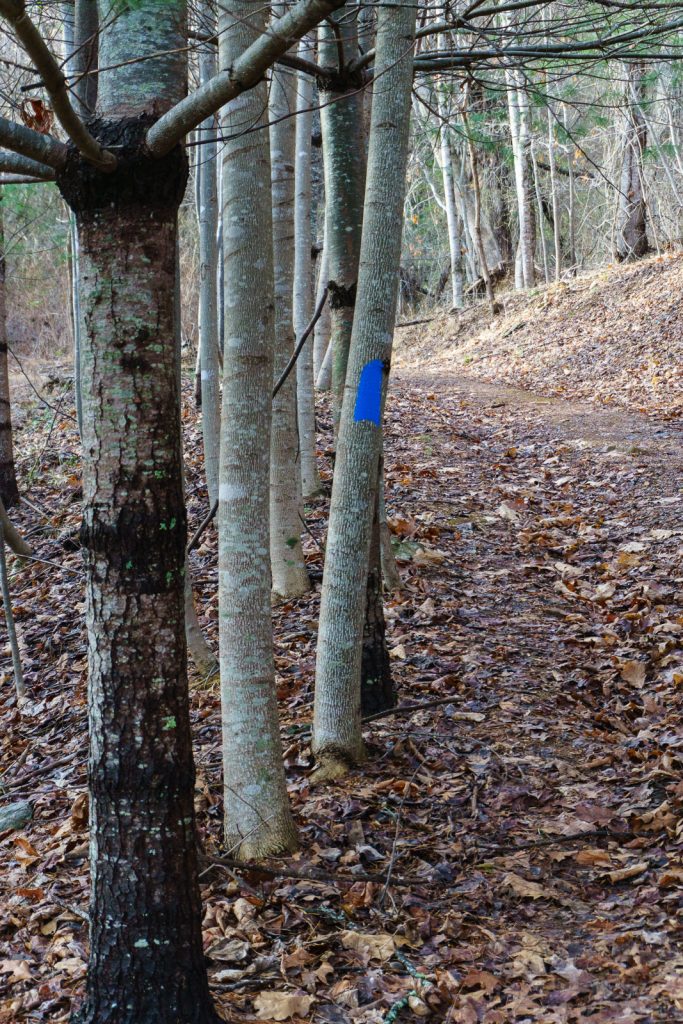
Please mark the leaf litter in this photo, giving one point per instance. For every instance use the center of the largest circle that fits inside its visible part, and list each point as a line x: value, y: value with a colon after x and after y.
x: 531, y: 817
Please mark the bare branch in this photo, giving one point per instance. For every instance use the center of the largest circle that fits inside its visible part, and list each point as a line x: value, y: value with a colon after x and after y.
x: 43, y: 148
x: 13, y: 163
x: 244, y: 74
x: 55, y: 84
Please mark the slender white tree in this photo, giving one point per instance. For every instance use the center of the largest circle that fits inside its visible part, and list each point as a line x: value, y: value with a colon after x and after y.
x: 337, y: 737
x: 258, y: 821
x: 290, y: 577
x: 303, y: 278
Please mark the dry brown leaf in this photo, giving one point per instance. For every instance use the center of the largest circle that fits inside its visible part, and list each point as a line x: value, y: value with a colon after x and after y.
x: 522, y: 887
x: 380, y: 946
x: 632, y: 871
x: 593, y: 857
x: 633, y: 672
x: 282, y: 1005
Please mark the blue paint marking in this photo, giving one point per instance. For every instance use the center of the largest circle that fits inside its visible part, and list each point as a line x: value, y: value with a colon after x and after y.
x: 369, y: 397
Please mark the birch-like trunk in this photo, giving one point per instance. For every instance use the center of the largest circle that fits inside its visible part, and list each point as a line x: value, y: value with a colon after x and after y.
x: 76, y: 19
x: 555, y: 200
x: 9, y: 491
x: 321, y: 334
x: 518, y: 108
x: 290, y: 577
x: 446, y: 162
x: 337, y: 737
x: 303, y: 280
x: 208, y: 269
x: 146, y: 961
x: 257, y: 817
x: 632, y: 241
x: 341, y: 120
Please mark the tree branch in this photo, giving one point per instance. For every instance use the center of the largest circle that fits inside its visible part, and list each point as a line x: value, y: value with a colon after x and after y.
x: 244, y: 74
x: 55, y: 84
x: 43, y: 148
x: 13, y: 163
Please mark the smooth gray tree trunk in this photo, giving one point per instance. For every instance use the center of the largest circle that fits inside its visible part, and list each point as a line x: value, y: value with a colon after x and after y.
x: 632, y: 241
x: 290, y: 577
x: 208, y: 269
x: 303, y: 280
x: 337, y: 737
x: 258, y: 821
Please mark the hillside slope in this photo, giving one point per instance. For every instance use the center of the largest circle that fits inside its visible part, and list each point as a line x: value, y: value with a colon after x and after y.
x: 615, y: 337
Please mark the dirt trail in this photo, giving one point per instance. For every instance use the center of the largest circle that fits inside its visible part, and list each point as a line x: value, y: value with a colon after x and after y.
x: 560, y: 598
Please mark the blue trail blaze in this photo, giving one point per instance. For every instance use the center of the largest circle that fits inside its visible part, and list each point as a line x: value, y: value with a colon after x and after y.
x: 369, y: 397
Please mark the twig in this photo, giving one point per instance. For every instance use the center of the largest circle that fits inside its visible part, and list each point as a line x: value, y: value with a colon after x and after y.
x: 33, y: 388
x: 9, y: 618
x: 57, y: 565
x: 302, y: 341
x: 392, y: 855
x: 406, y: 709
x: 575, y: 837
x: 317, y: 874
x: 210, y: 515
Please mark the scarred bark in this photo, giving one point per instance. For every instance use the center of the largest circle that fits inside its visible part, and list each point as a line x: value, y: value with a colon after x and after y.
x: 146, y: 960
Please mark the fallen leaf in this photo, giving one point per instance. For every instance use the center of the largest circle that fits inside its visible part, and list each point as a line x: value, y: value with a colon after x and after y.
x: 282, y: 1005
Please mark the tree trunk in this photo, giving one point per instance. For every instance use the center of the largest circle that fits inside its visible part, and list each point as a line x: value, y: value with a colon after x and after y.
x: 518, y: 106
x: 9, y: 491
x: 303, y: 281
x: 632, y: 240
x: 258, y: 821
x: 146, y: 963
x: 76, y: 18
x: 377, y: 691
x: 341, y: 119
x: 208, y: 271
x: 337, y: 738
x: 446, y: 161
x: 321, y: 334
x: 290, y: 577
x: 146, y: 958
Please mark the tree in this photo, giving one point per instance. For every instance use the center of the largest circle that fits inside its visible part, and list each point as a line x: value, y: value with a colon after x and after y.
x: 258, y: 821
x: 337, y: 739
x: 303, y: 280
x: 632, y: 240
x: 9, y: 491
x: 146, y: 959
x: 290, y: 577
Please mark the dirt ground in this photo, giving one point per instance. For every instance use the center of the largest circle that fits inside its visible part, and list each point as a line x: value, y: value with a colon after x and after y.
x: 530, y: 816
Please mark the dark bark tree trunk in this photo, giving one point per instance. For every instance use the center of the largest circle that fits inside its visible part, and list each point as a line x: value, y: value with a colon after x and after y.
x: 377, y: 691
x: 146, y: 958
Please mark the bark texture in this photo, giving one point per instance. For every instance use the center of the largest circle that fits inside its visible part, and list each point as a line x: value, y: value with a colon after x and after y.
x: 146, y: 961
x: 303, y: 281
x: 341, y: 120
x: 337, y: 738
x: 258, y: 820
x: 290, y: 577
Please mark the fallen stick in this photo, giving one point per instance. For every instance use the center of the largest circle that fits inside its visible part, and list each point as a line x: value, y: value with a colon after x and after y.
x: 318, y: 874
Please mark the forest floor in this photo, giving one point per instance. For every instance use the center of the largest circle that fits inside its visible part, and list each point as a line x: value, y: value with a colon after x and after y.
x: 531, y: 815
